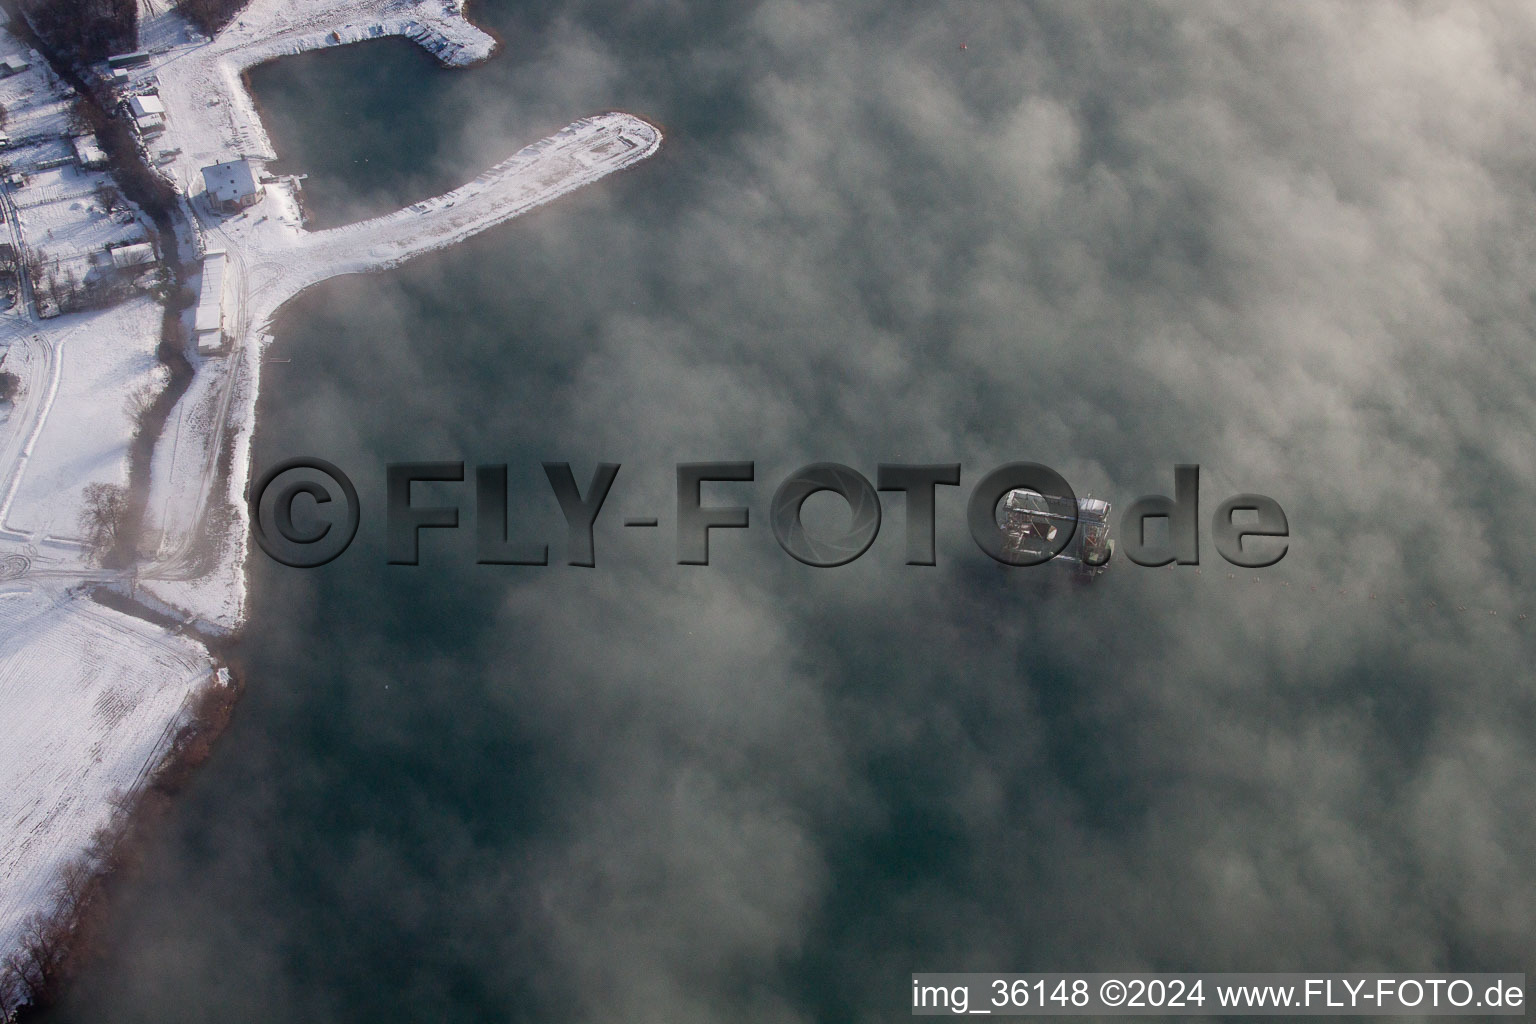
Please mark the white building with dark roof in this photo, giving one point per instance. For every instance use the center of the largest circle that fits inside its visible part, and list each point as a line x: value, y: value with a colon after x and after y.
x: 232, y: 185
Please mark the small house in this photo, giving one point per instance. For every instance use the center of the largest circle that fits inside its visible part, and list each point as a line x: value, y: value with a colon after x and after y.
x: 131, y: 257
x: 88, y: 153
x: 146, y: 106
x: 232, y: 186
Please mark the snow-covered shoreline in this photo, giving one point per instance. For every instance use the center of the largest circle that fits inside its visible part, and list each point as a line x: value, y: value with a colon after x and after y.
x: 210, y: 117
x: 59, y: 779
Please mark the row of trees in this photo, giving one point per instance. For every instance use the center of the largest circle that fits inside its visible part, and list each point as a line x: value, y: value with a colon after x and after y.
x: 103, y: 515
x: 31, y: 973
x: 210, y: 15
x: 34, y: 972
x: 86, y: 30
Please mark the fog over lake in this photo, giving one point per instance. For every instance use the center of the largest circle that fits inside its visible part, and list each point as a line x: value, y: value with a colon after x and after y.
x: 1292, y: 243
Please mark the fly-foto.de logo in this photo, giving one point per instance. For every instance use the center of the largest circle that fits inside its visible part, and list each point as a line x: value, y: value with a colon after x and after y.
x: 305, y: 512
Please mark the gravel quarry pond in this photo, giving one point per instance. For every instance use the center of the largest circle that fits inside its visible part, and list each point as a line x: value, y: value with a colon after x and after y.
x: 761, y: 791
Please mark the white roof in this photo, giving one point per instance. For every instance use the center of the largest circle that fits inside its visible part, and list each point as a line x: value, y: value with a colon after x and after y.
x: 143, y: 106
x: 88, y: 152
x: 125, y: 256
x: 210, y: 302
x: 231, y: 181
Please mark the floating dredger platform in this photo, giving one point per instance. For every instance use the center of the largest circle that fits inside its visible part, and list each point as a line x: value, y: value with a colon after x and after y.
x: 1033, y: 525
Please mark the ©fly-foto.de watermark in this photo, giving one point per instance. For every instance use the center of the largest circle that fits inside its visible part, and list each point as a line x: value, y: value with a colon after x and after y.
x: 305, y: 513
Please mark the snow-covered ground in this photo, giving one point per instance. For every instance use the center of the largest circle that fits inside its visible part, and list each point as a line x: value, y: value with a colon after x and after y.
x: 104, y: 366
x: 80, y: 373
x: 89, y: 696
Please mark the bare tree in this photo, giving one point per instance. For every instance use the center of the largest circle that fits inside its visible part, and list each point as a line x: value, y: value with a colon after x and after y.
x: 26, y: 964
x: 79, y: 117
x: 10, y: 992
x: 108, y: 196
x: 46, y: 938
x: 142, y: 399
x: 102, y: 516
x: 72, y: 889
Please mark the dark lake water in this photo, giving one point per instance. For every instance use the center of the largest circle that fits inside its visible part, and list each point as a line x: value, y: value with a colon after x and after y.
x: 757, y: 791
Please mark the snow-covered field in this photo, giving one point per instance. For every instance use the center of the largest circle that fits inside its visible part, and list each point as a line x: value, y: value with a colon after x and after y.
x: 105, y: 365
x: 88, y: 696
x: 91, y: 699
